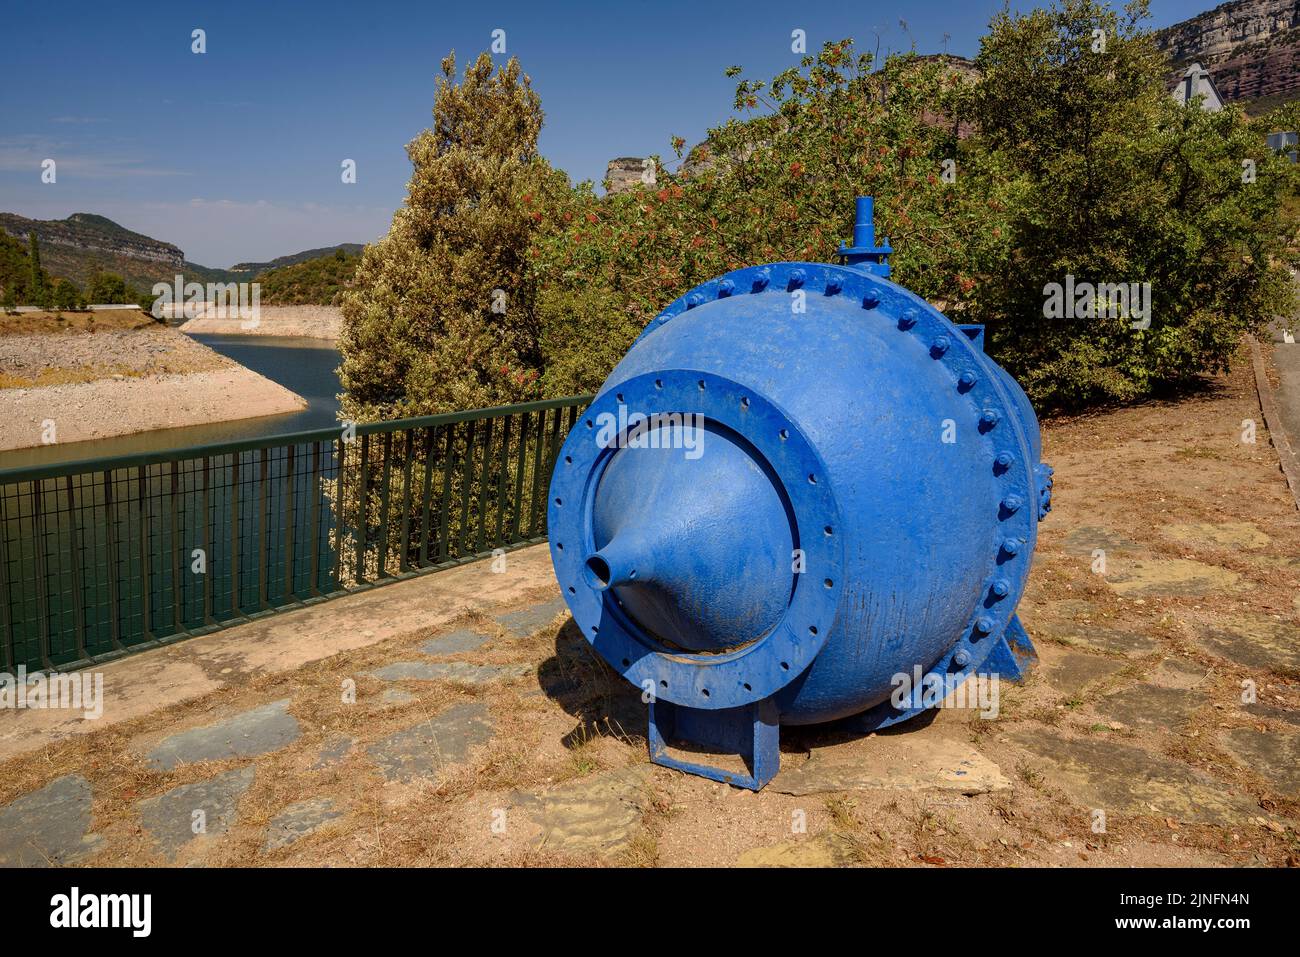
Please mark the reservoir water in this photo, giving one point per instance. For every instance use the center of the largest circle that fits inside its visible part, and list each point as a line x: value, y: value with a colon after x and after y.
x: 304, y: 366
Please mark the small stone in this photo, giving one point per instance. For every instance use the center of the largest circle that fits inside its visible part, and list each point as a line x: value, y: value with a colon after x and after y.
x: 1273, y: 756
x: 1100, y: 772
x: 1149, y: 707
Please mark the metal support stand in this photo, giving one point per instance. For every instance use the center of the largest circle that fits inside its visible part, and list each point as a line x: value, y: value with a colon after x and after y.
x: 751, y: 731
x: 1013, y: 655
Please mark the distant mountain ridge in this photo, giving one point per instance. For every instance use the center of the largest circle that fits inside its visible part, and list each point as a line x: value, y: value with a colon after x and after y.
x: 350, y: 249
x: 84, y: 244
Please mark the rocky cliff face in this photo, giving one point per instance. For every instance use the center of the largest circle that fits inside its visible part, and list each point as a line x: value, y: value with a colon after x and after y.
x: 1250, y: 47
x: 84, y: 244
x: 91, y: 233
x: 624, y: 173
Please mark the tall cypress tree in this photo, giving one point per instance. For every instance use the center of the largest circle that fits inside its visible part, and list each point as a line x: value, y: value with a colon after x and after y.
x: 38, y: 277
x: 442, y: 315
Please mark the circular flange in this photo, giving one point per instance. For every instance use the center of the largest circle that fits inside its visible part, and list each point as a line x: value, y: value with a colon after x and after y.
x: 709, y: 401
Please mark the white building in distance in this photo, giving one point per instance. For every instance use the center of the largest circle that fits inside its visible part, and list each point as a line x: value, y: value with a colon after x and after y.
x: 1196, y: 82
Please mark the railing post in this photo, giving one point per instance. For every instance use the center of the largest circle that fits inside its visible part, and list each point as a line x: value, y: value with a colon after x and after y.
x: 539, y: 481
x: 6, y: 614
x: 317, y: 493
x: 177, y: 547
x: 483, y: 490
x: 146, y: 593
x: 429, y: 443
x: 520, y: 465
x: 207, y: 541
x: 466, y: 483
x: 289, y: 522
x: 363, y: 509
x: 78, y: 584
x: 384, y: 489
x: 503, y: 482
x: 404, y: 563
x: 234, y: 536
x: 444, y: 510
x: 263, y: 501
x: 338, y: 514
x: 114, y: 578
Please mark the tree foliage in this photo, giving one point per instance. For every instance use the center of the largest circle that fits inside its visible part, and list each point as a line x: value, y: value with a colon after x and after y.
x: 443, y: 314
x: 321, y: 281
x: 1061, y: 157
x: 1118, y: 183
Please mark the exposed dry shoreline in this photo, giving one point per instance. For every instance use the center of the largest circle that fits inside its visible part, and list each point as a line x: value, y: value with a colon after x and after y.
x: 72, y: 384
x: 306, y: 322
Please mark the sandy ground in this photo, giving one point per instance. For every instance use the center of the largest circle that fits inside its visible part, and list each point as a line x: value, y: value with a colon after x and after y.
x: 1166, y: 586
x: 88, y: 378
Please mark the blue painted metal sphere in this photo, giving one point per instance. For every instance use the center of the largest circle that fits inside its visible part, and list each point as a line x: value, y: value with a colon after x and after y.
x: 800, y: 482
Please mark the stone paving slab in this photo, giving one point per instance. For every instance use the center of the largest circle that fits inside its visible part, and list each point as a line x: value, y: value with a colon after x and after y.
x: 334, y: 750
x: 1223, y: 535
x: 1254, y: 641
x: 169, y: 818
x: 825, y: 850
x: 422, y: 750
x: 1173, y: 578
x: 599, y: 814
x: 49, y: 827
x: 1148, y: 707
x: 922, y: 762
x: 530, y: 620
x: 1274, y: 757
x: 1082, y: 541
x: 1098, y: 773
x: 1130, y: 644
x: 449, y: 671
x: 145, y: 683
x: 1273, y: 712
x: 455, y: 643
x: 1070, y: 672
x: 298, y: 820
x: 257, y: 731
x: 1177, y: 673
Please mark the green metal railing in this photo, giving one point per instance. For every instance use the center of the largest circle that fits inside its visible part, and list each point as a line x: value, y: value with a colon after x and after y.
x: 103, y: 557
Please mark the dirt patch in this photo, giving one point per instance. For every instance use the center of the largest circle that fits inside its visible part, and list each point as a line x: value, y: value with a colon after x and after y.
x: 58, y: 356
x: 90, y: 320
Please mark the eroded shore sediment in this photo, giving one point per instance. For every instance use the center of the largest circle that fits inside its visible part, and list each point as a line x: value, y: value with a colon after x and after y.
x: 302, y: 322
x: 75, y: 385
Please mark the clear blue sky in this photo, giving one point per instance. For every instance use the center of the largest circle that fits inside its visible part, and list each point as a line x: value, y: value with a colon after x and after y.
x: 235, y: 154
